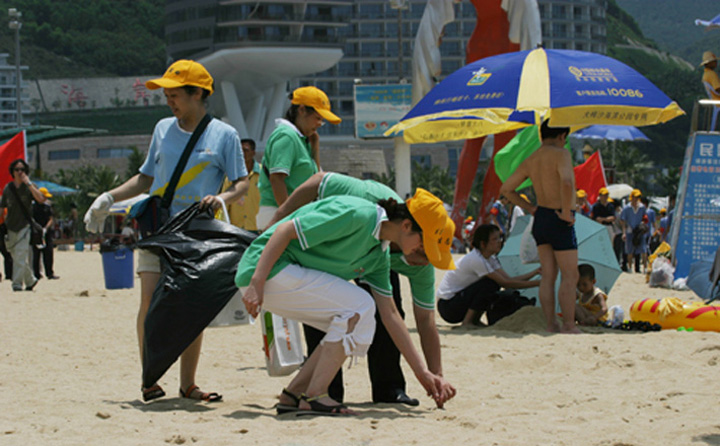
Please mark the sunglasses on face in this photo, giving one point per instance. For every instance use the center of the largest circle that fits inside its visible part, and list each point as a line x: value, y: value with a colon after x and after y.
x: 19, y: 169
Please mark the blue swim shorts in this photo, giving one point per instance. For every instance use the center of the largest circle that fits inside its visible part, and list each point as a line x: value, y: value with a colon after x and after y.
x: 548, y: 228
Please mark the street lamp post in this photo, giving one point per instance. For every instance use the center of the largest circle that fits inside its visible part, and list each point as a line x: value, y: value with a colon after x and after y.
x: 15, y: 24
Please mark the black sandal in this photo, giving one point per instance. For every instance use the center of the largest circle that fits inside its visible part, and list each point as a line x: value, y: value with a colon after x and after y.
x: 211, y: 397
x: 287, y: 408
x: 152, y: 392
x: 318, y: 408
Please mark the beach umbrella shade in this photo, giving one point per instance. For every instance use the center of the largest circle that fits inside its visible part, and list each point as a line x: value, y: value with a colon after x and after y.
x: 55, y: 188
x: 698, y: 278
x: 123, y: 207
x: 619, y: 191
x: 611, y: 133
x: 594, y: 248
x: 571, y: 88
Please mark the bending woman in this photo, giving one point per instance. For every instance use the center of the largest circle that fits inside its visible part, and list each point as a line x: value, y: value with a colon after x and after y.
x: 300, y: 267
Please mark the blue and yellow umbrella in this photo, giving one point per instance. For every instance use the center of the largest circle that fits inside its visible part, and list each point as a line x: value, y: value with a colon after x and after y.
x: 571, y: 88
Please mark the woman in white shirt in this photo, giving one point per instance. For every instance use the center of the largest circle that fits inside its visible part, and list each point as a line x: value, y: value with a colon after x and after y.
x: 466, y: 292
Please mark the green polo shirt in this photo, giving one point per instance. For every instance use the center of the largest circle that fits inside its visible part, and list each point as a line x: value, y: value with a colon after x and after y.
x: 286, y: 152
x: 338, y: 235
x: 422, y: 278
x: 337, y: 184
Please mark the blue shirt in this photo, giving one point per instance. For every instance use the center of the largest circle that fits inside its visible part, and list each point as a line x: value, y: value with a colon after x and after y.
x: 217, y: 154
x: 632, y: 218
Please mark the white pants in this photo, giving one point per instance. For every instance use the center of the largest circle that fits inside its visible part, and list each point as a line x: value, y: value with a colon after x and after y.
x: 264, y: 215
x: 18, y: 243
x: 325, y: 302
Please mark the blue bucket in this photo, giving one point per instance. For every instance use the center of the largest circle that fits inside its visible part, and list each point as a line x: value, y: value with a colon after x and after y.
x: 80, y: 246
x: 118, y: 269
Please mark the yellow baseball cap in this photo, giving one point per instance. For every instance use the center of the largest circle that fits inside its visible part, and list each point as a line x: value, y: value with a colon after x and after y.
x: 317, y: 99
x: 183, y: 73
x: 663, y: 211
x: 603, y: 191
x: 44, y: 191
x: 635, y: 193
x: 438, y: 229
x: 581, y: 193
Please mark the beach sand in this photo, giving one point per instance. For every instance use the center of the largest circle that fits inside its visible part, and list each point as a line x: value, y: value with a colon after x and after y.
x: 70, y: 375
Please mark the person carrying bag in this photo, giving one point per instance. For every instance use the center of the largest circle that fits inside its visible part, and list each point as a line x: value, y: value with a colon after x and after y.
x: 177, y: 179
x: 154, y: 211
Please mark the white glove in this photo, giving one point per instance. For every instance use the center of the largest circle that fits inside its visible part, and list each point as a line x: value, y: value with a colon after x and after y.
x: 95, y: 216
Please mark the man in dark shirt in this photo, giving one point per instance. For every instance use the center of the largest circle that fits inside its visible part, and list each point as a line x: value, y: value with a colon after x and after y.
x: 17, y: 199
x: 603, y: 212
x: 43, y: 215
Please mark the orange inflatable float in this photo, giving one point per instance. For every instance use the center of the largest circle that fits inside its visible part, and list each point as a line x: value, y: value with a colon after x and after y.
x: 672, y: 312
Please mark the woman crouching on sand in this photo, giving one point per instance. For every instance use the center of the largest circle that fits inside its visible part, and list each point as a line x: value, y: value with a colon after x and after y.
x: 299, y: 269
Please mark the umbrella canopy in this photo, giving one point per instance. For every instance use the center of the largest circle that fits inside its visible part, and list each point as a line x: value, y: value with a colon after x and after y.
x: 714, y: 23
x: 54, y: 188
x: 123, y: 207
x: 699, y: 278
x: 619, y: 191
x: 594, y: 248
x: 571, y: 88
x: 611, y: 133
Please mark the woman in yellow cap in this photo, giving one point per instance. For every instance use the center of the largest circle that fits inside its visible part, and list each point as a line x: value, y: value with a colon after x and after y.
x: 299, y: 268
x: 217, y: 154
x: 292, y: 150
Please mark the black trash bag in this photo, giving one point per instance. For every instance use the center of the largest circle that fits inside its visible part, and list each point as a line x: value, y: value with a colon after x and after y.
x: 199, y: 257
x: 507, y: 303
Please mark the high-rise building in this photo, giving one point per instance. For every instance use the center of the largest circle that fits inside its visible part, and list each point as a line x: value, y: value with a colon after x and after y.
x: 8, y: 93
x: 258, y: 50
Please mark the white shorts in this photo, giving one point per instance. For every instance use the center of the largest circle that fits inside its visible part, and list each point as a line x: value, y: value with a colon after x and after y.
x: 325, y: 302
x: 264, y: 215
x: 147, y: 262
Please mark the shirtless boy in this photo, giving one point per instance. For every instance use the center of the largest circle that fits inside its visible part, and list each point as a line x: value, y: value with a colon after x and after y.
x: 551, y: 172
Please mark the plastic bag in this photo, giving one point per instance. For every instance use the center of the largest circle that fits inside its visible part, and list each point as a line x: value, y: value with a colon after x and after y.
x: 662, y: 273
x: 199, y: 257
x: 282, y: 343
x: 528, y: 247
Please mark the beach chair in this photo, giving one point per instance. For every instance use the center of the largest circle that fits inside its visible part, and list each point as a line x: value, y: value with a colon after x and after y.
x: 710, y: 92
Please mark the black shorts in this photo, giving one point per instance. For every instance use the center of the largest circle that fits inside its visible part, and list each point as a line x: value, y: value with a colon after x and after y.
x: 548, y: 228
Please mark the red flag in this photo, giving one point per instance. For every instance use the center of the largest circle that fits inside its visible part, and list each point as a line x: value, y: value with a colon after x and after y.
x: 9, y: 152
x: 590, y: 176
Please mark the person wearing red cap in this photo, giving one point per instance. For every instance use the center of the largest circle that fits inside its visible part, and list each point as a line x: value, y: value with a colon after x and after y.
x: 299, y: 269
x: 292, y: 150
x: 216, y: 155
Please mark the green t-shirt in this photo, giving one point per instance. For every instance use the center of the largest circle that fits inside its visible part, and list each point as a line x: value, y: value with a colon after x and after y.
x: 422, y: 278
x: 285, y: 152
x: 337, y: 184
x: 338, y: 235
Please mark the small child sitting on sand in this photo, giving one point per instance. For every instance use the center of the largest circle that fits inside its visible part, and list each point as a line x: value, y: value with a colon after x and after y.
x: 591, y: 307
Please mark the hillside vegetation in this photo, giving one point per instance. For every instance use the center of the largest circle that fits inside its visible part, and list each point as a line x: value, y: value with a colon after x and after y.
x: 83, y: 38
x: 671, y: 23
x: 673, y: 75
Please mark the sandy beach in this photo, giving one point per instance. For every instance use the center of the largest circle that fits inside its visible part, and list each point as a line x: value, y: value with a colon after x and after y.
x: 70, y: 375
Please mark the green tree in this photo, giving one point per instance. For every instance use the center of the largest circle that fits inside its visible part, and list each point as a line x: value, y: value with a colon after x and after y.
x: 135, y: 160
x: 89, y: 181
